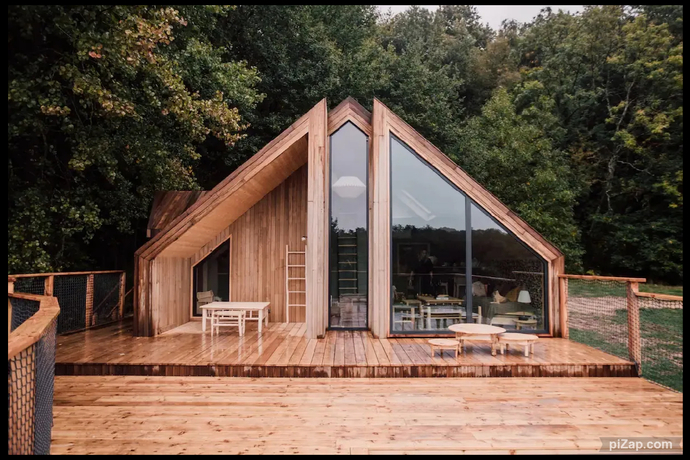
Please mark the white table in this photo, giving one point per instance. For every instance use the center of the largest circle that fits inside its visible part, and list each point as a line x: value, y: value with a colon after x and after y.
x: 260, y: 308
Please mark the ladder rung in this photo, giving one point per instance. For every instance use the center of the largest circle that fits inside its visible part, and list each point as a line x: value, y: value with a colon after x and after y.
x: 295, y: 266
x: 302, y: 279
x: 296, y: 305
x: 347, y: 245
x: 295, y: 252
x: 297, y: 292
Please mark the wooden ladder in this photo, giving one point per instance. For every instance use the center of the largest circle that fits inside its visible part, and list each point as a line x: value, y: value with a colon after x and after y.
x: 288, y: 278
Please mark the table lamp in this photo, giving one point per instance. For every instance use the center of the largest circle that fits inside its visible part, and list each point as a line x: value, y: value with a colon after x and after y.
x: 523, y: 297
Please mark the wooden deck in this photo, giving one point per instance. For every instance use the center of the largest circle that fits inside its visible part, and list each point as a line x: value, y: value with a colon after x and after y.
x: 283, y: 351
x: 214, y: 415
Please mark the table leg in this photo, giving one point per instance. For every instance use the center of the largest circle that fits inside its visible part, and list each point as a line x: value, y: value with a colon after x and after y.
x: 266, y: 317
x: 203, y: 320
x: 493, y: 345
x: 261, y: 320
x: 527, y: 349
x: 428, y: 318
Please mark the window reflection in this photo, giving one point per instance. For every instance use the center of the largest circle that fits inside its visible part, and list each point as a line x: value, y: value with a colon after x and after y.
x: 348, y: 233
x: 429, y: 271
x: 507, y: 277
x: 429, y: 245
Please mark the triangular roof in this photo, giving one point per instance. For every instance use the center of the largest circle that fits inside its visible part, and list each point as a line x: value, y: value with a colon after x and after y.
x: 216, y: 209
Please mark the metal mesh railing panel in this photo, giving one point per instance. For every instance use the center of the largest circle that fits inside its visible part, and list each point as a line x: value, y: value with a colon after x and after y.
x: 30, y: 390
x: 661, y: 333
x: 70, y: 291
x: 22, y: 309
x: 21, y: 393
x: 106, y: 297
x: 45, y: 379
x: 30, y: 285
x: 598, y: 315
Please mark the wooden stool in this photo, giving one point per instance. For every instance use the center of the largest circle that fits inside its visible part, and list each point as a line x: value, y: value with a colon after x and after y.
x: 444, y: 344
x: 508, y: 338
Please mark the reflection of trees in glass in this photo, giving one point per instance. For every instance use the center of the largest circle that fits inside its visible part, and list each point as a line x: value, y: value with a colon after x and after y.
x: 446, y: 245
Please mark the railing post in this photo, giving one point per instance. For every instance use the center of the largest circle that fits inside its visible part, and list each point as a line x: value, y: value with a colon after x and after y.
x: 89, y: 300
x: 122, y: 295
x: 634, y: 342
x: 10, y: 290
x: 48, y: 285
x: 563, y: 306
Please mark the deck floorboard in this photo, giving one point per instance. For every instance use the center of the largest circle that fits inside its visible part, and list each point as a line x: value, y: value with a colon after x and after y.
x: 216, y: 415
x: 283, y: 350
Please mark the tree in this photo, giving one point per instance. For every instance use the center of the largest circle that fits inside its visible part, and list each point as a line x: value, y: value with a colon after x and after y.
x: 616, y: 80
x: 107, y: 104
x: 513, y: 156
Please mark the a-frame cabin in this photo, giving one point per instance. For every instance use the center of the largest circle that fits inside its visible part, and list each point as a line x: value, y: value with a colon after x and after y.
x: 396, y: 238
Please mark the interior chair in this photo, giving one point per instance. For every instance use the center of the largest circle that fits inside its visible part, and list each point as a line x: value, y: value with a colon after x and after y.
x: 503, y: 321
x: 407, y: 316
x: 228, y: 318
x: 204, y: 297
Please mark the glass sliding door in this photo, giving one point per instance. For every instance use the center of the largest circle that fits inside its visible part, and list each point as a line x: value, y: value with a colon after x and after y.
x: 348, y: 237
x: 212, y: 278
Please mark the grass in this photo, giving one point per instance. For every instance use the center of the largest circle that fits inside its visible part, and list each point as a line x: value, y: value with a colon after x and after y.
x: 661, y: 289
x: 661, y: 331
x: 580, y: 288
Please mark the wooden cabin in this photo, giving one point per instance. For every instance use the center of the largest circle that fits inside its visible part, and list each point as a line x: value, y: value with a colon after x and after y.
x: 348, y: 220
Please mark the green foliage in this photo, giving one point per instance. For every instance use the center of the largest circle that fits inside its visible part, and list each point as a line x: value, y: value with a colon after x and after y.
x: 107, y: 104
x: 512, y: 155
x: 616, y: 81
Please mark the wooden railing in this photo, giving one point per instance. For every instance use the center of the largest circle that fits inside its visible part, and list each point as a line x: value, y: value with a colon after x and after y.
x: 85, y: 299
x: 608, y: 317
x: 31, y: 371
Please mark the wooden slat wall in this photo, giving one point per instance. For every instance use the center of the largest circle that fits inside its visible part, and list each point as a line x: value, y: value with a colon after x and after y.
x: 379, y: 296
x: 557, y: 308
x: 317, y: 222
x: 171, y: 294
x: 257, y: 248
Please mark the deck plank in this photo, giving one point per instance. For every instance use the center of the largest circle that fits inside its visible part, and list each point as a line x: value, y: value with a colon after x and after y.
x: 193, y: 415
x: 282, y: 350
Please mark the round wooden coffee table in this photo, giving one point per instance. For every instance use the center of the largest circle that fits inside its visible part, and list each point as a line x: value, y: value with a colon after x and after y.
x: 473, y: 332
x: 513, y: 338
x: 444, y: 344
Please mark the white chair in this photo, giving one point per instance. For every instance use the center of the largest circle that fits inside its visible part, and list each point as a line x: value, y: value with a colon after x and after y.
x: 229, y: 318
